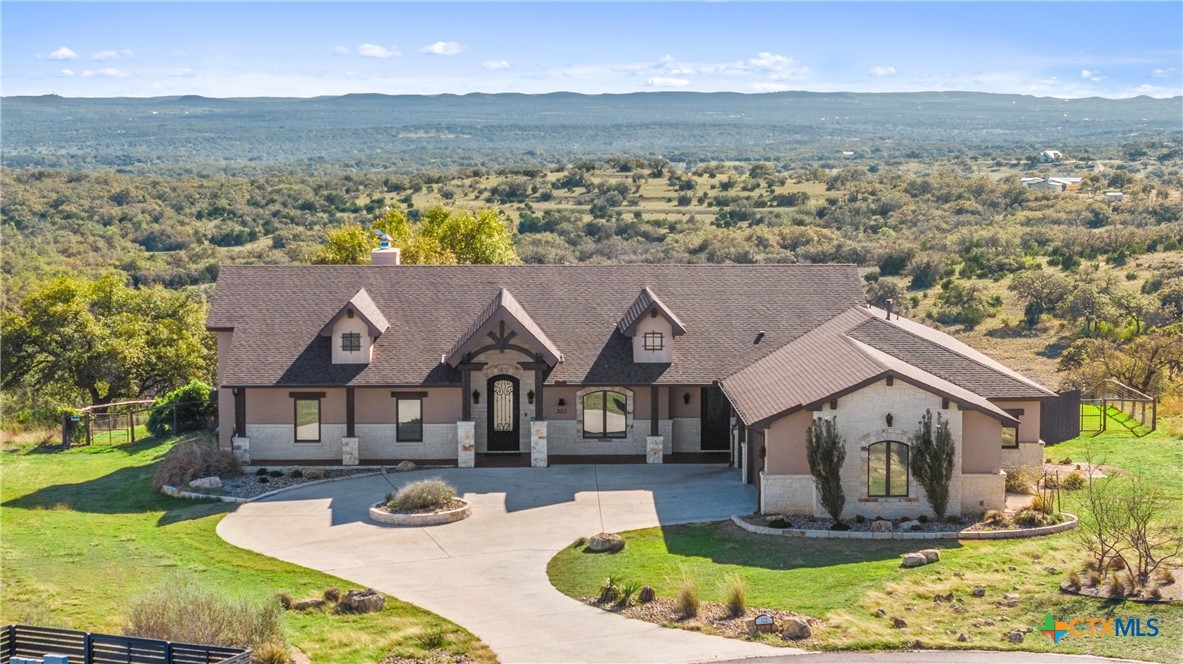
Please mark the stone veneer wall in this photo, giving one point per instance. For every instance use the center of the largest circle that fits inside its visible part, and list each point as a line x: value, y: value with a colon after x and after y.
x: 274, y: 442
x: 788, y: 494
x: 983, y: 491
x: 565, y: 437
x: 1027, y: 454
x: 377, y: 442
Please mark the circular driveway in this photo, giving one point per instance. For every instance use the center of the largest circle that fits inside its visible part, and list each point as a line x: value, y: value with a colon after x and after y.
x: 488, y: 573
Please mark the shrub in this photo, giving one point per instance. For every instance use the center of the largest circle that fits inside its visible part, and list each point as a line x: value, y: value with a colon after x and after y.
x: 1031, y: 518
x: 429, y: 494
x: 923, y: 518
x: 1020, y: 479
x: 859, y: 518
x: 1164, y: 577
x: 932, y: 460
x: 609, y: 591
x: 261, y: 472
x: 181, y: 610
x: 1073, y: 481
x: 1155, y: 593
x: 1042, y: 504
x: 190, y: 459
x: 687, y: 598
x: 271, y: 653
x: 779, y: 522
x: 276, y: 473
x: 296, y: 474
x: 995, y: 519
x: 627, y: 592
x: 1074, y: 579
x: 332, y: 595
x: 826, y: 451
x: 264, y: 479
x: 194, y: 409
x: 1094, y: 579
x: 1116, y: 585
x: 838, y: 525
x: 737, y: 595
x: 285, y: 600
x: 434, y: 639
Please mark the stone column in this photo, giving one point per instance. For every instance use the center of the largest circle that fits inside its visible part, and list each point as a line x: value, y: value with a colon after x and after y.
x: 349, y: 452
x: 241, y: 446
x: 465, y: 444
x: 653, y: 449
x: 538, y: 458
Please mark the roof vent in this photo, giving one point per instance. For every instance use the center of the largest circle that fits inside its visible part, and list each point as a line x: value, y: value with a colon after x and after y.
x: 889, y: 303
x: 759, y: 337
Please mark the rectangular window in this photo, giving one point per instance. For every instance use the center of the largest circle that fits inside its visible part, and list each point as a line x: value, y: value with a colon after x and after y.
x: 654, y: 341
x: 307, y: 420
x: 410, y: 421
x: 351, y: 341
x: 1010, y: 438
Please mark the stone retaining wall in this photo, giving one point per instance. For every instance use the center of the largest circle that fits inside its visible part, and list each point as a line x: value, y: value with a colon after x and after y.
x: 959, y: 535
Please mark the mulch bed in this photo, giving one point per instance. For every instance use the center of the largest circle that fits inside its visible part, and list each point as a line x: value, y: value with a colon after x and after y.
x: 797, y: 522
x: 713, y: 617
x: 452, y: 505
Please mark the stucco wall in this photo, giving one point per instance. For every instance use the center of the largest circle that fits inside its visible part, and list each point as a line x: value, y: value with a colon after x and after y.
x: 1028, y: 421
x: 374, y: 405
x: 649, y: 324
x: 981, y: 444
x: 274, y: 405
x: 355, y: 324
x: 786, y: 445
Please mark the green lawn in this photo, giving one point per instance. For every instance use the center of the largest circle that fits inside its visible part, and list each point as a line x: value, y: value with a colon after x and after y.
x: 83, y: 531
x: 845, y: 582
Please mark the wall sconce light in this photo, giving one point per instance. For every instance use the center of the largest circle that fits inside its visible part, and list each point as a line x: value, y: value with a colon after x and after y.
x: 945, y: 404
x: 562, y: 402
x: 530, y: 397
x: 476, y: 396
x: 889, y: 418
x: 686, y: 398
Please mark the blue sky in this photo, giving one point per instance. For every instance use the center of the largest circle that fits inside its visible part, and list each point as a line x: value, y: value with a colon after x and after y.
x: 226, y: 49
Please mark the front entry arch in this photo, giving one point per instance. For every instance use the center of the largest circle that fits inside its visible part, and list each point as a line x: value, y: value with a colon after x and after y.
x: 504, y: 420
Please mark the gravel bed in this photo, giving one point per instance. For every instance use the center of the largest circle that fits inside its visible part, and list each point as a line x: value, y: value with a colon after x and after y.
x: 713, y: 617
x: 812, y: 523
x: 249, y: 486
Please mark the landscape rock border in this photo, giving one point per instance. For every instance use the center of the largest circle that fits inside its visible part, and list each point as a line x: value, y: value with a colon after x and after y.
x: 425, y: 519
x: 173, y: 491
x: 1013, y: 533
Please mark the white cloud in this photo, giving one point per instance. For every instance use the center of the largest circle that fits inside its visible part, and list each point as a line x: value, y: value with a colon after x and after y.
x: 66, y: 73
x: 341, y: 50
x: 178, y: 54
x: 442, y: 48
x: 880, y: 72
x: 780, y: 66
x: 494, y: 65
x: 1092, y: 75
x: 375, y: 51
x: 63, y: 53
x: 106, y: 72
x: 667, y: 82
x: 1162, y: 73
x: 763, y: 86
x: 766, y: 60
x: 183, y: 72
x: 124, y: 54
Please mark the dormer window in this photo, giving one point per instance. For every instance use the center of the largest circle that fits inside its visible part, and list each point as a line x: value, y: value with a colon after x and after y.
x: 351, y: 342
x: 354, y: 330
x: 654, y: 341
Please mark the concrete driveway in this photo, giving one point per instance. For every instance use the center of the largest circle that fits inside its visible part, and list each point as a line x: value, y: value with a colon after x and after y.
x: 488, y: 573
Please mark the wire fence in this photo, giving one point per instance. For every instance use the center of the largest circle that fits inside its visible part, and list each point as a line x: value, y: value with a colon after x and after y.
x: 126, y: 422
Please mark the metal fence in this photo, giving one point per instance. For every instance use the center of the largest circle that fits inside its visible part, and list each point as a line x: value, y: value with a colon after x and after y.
x: 121, y: 423
x: 29, y: 642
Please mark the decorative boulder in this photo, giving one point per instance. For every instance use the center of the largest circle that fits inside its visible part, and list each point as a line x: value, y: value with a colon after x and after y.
x: 1015, y: 637
x: 314, y: 474
x: 207, y: 483
x: 311, y: 603
x: 647, y: 595
x: 931, y: 555
x: 979, y: 591
x: 605, y: 543
x: 405, y: 466
x: 914, y: 560
x: 362, y: 601
x: 899, y: 623
x: 795, y: 629
x: 908, y: 525
x: 881, y: 526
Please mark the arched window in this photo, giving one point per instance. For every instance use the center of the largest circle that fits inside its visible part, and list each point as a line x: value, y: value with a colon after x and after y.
x: 604, y: 414
x: 887, y: 469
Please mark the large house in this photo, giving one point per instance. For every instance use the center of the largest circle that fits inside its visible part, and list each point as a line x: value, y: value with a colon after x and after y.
x: 469, y: 365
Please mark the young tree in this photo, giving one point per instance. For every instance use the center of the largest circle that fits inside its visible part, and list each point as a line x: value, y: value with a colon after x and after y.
x: 826, y: 451
x: 443, y: 236
x: 105, y: 339
x: 932, y: 460
x: 1040, y: 290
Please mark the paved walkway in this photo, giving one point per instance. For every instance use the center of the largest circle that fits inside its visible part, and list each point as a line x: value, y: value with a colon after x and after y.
x: 488, y: 573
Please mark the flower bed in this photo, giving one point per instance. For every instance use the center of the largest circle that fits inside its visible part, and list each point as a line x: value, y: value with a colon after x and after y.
x: 456, y: 510
x: 932, y: 530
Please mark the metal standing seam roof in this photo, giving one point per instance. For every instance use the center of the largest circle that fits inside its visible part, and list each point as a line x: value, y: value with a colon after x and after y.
x: 276, y: 313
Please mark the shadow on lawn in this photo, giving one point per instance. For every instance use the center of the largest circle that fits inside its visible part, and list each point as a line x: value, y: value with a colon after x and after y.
x: 726, y: 544
x: 127, y: 490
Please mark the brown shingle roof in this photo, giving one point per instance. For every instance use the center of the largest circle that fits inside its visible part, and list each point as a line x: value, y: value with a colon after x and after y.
x: 277, y: 311
x: 646, y: 301
x: 364, y: 307
x: 841, y: 355
x: 504, y: 303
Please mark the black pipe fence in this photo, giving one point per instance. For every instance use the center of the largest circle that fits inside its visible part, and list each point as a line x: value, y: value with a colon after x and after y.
x: 29, y: 642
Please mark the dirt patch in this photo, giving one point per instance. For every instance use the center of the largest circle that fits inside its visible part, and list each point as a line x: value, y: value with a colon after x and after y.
x: 1168, y: 592
x: 712, y: 618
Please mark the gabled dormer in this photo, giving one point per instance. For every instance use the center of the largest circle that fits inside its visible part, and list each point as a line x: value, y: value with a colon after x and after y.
x: 504, y: 325
x: 354, y: 329
x: 652, y: 326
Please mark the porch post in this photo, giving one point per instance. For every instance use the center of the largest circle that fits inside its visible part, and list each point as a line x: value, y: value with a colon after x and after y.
x: 654, y: 443
x: 466, y: 444
x: 465, y: 393
x: 240, y: 445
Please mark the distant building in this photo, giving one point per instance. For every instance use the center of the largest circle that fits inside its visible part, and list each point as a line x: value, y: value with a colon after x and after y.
x: 1114, y: 196
x: 1054, y: 184
x: 1048, y: 156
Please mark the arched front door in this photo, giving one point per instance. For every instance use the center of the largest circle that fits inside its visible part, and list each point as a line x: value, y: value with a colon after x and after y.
x: 503, y: 414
